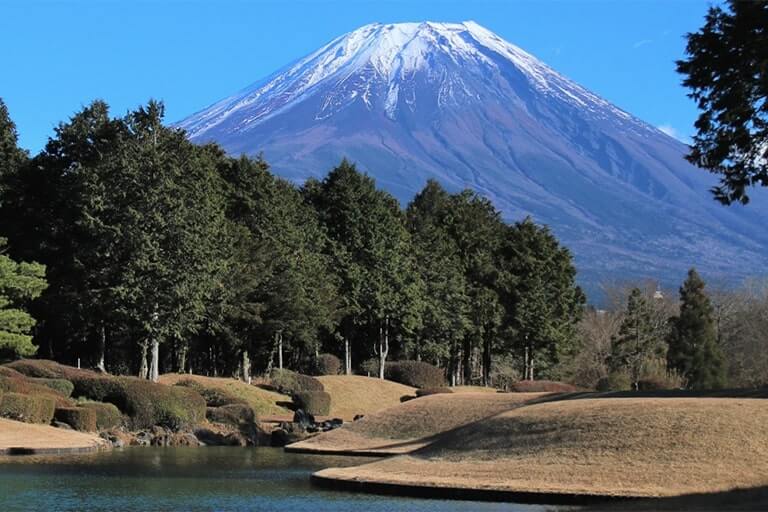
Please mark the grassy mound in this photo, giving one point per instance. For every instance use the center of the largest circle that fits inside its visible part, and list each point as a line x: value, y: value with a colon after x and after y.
x: 610, y: 446
x: 263, y: 402
x: 413, y: 424
x: 355, y: 394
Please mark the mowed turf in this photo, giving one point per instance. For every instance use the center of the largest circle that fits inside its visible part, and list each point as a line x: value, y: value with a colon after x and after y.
x: 27, y: 436
x: 413, y: 424
x: 638, y: 447
x: 355, y: 394
x: 263, y: 402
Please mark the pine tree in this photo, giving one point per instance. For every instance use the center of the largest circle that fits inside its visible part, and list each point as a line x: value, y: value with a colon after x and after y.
x: 11, y: 156
x: 19, y: 284
x: 727, y: 74
x: 638, y: 340
x: 693, y: 347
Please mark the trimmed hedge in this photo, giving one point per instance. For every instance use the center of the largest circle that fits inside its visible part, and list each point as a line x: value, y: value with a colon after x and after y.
x: 47, y: 369
x: 107, y: 415
x: 433, y: 391
x: 316, y: 403
x: 62, y: 386
x: 27, y: 408
x: 232, y: 414
x: 145, y: 403
x: 78, y: 418
x: 327, y: 364
x: 27, y: 386
x: 542, y: 386
x: 7, y: 371
x: 289, y: 382
x: 417, y: 374
x: 214, y: 397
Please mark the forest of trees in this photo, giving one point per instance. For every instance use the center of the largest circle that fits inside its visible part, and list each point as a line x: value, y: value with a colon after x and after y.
x: 161, y: 255
x: 138, y: 252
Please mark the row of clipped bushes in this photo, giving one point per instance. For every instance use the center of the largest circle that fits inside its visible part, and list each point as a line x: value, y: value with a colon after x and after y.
x: 27, y: 408
x: 222, y: 406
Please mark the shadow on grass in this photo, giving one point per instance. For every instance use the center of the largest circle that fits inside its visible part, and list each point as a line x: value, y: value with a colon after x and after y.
x: 748, y: 500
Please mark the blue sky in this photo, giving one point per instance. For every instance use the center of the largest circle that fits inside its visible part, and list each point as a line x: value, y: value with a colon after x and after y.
x: 60, y: 55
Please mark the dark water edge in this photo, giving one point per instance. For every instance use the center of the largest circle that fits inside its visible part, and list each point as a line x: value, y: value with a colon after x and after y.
x: 198, y: 479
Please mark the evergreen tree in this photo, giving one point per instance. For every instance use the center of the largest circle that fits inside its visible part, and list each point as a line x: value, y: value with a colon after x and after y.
x: 638, y: 340
x: 19, y: 284
x: 726, y: 70
x: 542, y: 301
x: 693, y: 347
x: 11, y: 156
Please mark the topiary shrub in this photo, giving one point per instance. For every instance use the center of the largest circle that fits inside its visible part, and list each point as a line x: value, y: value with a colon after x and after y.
x: 289, y: 382
x: 232, y: 414
x: 27, y: 408
x: 62, y: 386
x: 370, y: 367
x: 78, y: 418
x: 415, y: 373
x: 145, y: 403
x: 542, y: 386
x: 7, y: 371
x: 47, y: 369
x: 27, y: 386
x: 327, y: 364
x: 107, y: 415
x: 214, y: 397
x: 432, y: 391
x: 316, y: 403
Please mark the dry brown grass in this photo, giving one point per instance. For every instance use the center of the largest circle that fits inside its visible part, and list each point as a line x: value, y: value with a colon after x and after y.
x: 263, y: 402
x: 411, y: 425
x: 355, y: 394
x: 609, y: 446
x: 15, y: 434
x: 474, y: 389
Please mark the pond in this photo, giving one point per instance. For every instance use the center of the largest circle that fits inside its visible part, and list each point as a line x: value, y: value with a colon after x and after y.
x: 197, y: 479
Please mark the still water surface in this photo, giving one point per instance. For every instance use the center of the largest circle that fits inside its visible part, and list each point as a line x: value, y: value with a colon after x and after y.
x: 197, y: 479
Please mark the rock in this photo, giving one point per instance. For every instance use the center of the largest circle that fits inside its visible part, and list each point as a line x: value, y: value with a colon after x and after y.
x: 62, y: 425
x: 142, y: 439
x: 358, y: 417
x: 303, y: 418
x: 282, y: 437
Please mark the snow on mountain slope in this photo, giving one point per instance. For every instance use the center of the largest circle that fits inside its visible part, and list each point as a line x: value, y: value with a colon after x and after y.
x: 411, y: 101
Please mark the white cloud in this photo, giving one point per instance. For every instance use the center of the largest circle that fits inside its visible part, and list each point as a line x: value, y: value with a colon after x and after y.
x: 672, y: 132
x: 642, y: 42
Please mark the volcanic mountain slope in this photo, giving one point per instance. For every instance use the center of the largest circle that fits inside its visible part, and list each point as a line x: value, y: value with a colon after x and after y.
x: 455, y: 102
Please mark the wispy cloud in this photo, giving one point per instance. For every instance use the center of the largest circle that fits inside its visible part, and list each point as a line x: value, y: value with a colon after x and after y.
x: 672, y: 132
x: 642, y: 42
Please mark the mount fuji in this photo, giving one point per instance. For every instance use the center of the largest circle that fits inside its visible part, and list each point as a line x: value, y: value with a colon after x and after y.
x: 455, y: 102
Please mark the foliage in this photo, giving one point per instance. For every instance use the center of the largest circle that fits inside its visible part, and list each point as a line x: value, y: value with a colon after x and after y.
x: 726, y: 73
x: 231, y: 414
x: 417, y: 374
x: 62, y: 386
x: 316, y: 403
x: 27, y: 408
x: 693, y: 348
x: 327, y: 364
x: 107, y: 415
x: 289, y: 382
x: 20, y: 283
x: 77, y: 417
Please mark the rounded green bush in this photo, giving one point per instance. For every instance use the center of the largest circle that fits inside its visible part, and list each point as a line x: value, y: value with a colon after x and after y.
x: 78, y: 418
x: 107, y: 415
x: 289, y: 382
x: 27, y: 408
x: 231, y: 414
x: 63, y: 386
x: 316, y: 403
x: 417, y: 374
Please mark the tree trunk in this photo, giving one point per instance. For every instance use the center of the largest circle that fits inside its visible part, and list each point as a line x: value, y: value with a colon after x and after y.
x: 467, y: 360
x: 347, y: 357
x: 280, y: 350
x: 486, y: 370
x: 246, y: 367
x: 143, y: 368
x: 181, y: 357
x: 383, y: 347
x: 100, y: 364
x: 154, y: 367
